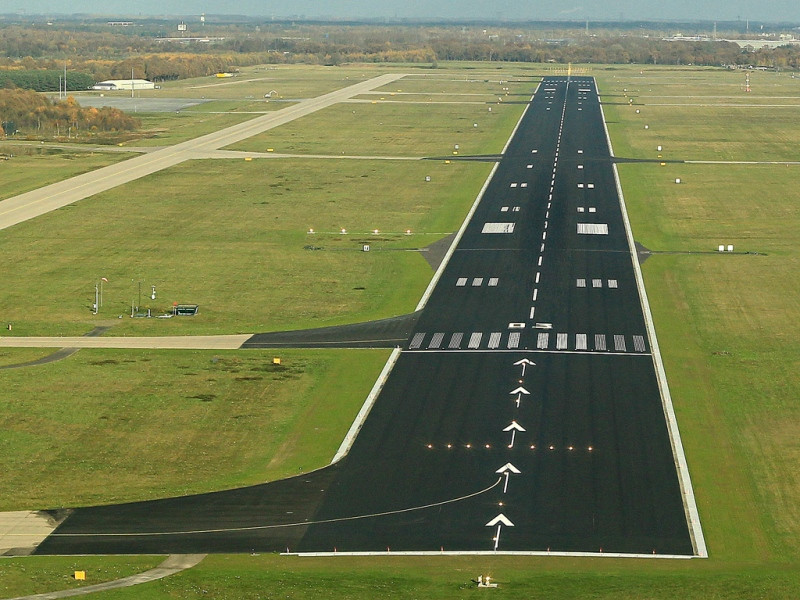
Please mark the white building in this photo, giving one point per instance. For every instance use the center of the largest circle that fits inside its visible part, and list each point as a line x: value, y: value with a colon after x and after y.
x: 124, y: 84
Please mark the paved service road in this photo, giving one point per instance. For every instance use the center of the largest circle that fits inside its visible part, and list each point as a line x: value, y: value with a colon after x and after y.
x: 177, y: 342
x: 524, y: 413
x: 38, y: 202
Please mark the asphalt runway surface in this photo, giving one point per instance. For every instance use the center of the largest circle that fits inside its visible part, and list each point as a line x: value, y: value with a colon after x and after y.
x: 523, y: 414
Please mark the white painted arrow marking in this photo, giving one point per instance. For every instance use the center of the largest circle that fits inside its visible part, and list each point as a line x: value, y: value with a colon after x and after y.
x: 506, y: 470
x: 520, y: 390
x: 499, y: 520
x: 508, y: 467
x: 525, y: 362
x: 513, y: 428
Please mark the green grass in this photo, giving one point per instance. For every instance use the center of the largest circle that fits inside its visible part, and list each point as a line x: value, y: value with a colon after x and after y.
x: 40, y: 574
x: 231, y: 237
x: 289, y: 81
x: 165, y: 129
x: 270, y: 577
x: 393, y: 129
x: 29, y: 169
x: 703, y: 115
x: 713, y: 205
x: 182, y: 414
x: 14, y: 356
x: 727, y: 325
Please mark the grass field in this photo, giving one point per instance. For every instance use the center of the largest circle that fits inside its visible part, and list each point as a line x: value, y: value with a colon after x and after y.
x: 31, y: 168
x: 727, y: 326
x: 232, y: 237
x: 37, y: 575
x: 705, y: 115
x: 164, y: 129
x: 270, y: 577
x: 195, y: 421
x: 394, y: 129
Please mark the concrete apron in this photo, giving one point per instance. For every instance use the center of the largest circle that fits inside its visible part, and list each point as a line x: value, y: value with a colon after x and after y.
x: 21, y: 531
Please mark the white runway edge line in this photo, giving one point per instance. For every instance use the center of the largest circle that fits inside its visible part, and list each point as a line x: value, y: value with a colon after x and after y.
x: 685, y: 481
x: 487, y: 553
x: 347, y: 443
x: 436, y: 276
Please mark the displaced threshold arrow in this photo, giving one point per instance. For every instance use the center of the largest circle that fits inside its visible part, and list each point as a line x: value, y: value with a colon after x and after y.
x: 519, y: 392
x: 506, y: 470
x: 513, y: 428
x: 499, y: 520
x: 524, y: 363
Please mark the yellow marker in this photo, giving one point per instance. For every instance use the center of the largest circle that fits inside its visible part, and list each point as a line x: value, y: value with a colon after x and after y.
x: 248, y: 158
x: 276, y: 360
x: 270, y: 150
x: 447, y: 162
x: 80, y: 575
x: 663, y: 164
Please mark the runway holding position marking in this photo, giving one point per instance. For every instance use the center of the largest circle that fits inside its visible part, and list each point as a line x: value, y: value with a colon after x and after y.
x: 522, y: 416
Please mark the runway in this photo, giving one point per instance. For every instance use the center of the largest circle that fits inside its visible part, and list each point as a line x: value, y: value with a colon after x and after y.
x: 524, y: 413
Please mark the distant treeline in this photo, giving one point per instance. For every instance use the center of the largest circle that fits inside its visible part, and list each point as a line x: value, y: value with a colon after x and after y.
x: 30, y: 114
x: 112, y: 53
x: 44, y: 80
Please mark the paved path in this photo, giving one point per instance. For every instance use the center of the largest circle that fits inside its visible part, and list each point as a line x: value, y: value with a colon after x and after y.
x: 173, y: 564
x: 178, y: 342
x: 43, y: 200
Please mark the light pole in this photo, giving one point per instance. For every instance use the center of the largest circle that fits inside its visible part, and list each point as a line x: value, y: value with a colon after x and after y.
x: 96, y: 298
x: 102, y: 279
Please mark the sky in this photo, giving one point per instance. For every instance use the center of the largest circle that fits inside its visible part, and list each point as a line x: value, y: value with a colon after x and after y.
x: 710, y: 10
